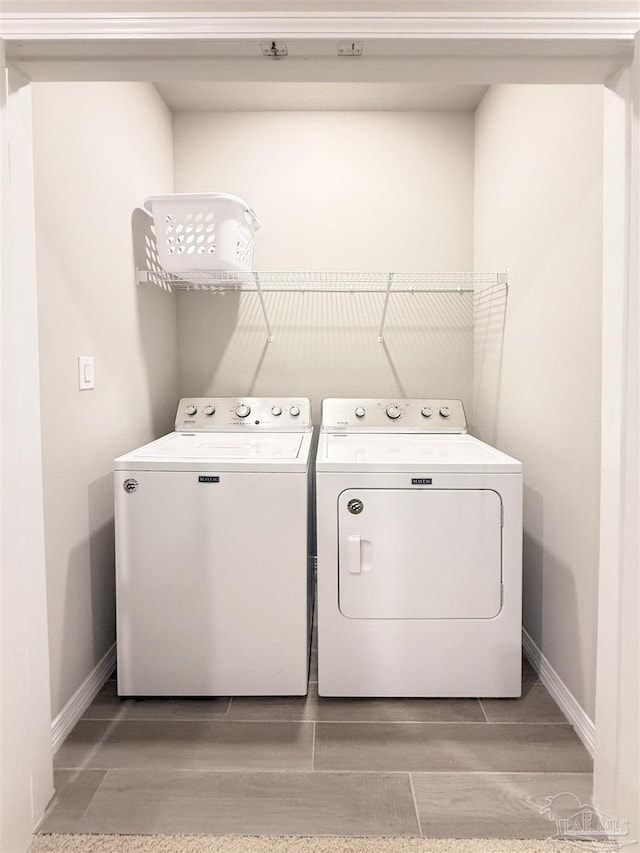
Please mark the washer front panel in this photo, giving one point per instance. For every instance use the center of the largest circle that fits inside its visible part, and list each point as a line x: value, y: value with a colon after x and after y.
x: 212, y: 583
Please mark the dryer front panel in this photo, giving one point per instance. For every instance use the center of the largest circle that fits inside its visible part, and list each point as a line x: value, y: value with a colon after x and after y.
x: 420, y: 553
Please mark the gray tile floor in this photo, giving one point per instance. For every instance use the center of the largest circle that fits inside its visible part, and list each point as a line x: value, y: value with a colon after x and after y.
x: 315, y: 766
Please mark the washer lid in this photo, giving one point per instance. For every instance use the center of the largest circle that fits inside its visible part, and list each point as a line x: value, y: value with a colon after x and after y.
x: 232, y: 451
x: 410, y: 452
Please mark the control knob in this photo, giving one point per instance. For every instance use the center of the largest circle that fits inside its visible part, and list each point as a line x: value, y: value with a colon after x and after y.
x: 445, y: 411
x: 360, y: 412
x: 426, y: 412
x: 243, y: 410
x: 276, y: 410
x: 393, y: 412
x: 209, y: 410
x: 294, y: 411
x: 191, y: 410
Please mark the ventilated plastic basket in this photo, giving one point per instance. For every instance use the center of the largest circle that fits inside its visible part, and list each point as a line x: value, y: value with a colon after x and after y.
x: 201, y: 232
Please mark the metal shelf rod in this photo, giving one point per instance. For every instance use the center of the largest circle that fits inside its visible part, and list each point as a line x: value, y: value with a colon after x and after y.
x: 195, y: 288
x: 147, y: 277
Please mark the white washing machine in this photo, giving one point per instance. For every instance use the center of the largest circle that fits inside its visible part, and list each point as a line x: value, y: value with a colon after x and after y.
x: 419, y: 530
x: 212, y: 557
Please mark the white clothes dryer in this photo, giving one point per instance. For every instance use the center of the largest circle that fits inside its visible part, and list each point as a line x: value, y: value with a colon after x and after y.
x: 419, y: 529
x: 213, y: 579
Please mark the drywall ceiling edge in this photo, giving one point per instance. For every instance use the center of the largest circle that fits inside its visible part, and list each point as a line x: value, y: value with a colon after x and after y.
x: 266, y: 96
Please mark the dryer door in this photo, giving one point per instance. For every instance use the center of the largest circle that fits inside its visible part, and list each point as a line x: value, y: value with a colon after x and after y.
x: 420, y: 553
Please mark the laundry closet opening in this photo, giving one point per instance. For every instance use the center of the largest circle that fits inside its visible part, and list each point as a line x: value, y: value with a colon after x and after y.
x: 369, y: 178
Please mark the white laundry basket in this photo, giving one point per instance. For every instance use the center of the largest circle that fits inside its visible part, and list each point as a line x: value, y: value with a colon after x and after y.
x: 200, y: 232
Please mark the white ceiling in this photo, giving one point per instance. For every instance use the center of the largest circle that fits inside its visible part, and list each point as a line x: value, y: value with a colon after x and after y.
x: 201, y: 96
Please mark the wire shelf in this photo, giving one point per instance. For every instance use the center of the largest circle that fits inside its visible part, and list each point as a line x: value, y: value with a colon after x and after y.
x: 385, y: 283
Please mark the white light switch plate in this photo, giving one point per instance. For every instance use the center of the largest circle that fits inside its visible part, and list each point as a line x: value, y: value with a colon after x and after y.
x: 86, y: 374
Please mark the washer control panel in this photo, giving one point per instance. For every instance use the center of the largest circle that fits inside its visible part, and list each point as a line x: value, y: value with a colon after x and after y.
x: 211, y: 414
x: 437, y: 416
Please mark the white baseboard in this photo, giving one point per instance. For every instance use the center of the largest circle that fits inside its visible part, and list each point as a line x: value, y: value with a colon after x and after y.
x: 82, y: 698
x: 566, y: 701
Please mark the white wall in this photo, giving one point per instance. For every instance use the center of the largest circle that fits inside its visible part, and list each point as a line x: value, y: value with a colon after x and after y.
x: 538, y: 212
x: 335, y: 191
x: 616, y: 777
x: 99, y: 150
x: 26, y: 773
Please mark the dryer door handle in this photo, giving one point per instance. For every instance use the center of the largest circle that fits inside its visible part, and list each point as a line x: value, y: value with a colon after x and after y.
x: 354, y: 555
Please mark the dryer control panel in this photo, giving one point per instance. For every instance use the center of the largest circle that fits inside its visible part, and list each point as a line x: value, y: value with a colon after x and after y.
x: 226, y: 414
x: 393, y: 415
